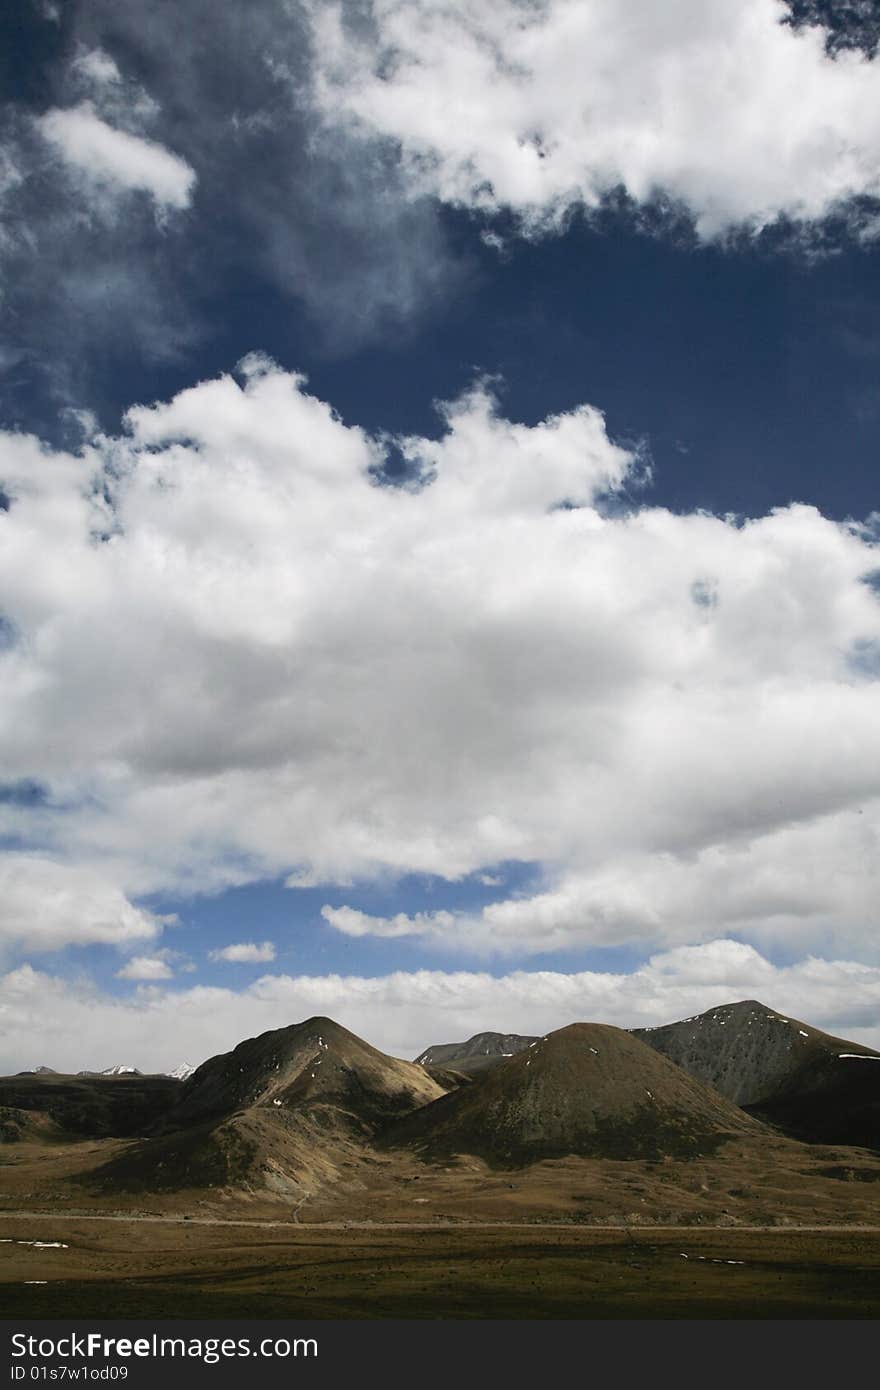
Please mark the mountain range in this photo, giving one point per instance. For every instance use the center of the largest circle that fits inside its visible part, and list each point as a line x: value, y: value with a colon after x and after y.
x: 312, y: 1107
x: 179, y: 1073
x: 587, y: 1089
x: 807, y: 1083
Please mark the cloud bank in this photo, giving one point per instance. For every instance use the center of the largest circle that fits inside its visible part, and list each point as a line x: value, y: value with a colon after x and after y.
x: 234, y: 651
x: 49, y: 1022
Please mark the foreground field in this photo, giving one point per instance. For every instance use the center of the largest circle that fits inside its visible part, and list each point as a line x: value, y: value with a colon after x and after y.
x: 169, y: 1267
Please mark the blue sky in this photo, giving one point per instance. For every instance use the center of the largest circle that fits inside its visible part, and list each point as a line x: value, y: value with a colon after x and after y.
x: 439, y: 469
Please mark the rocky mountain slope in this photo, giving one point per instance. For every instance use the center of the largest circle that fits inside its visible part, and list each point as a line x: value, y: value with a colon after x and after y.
x: 811, y: 1084
x: 587, y: 1089
x: 478, y: 1054
x: 286, y: 1111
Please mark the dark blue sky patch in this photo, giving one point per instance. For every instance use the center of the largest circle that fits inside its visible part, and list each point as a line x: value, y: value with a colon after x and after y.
x: 850, y: 23
x: 26, y: 793
x: 31, y: 51
x: 864, y: 658
x: 399, y: 469
x: 704, y: 593
x: 873, y: 581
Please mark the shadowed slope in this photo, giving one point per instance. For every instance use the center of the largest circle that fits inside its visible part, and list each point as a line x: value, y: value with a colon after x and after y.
x: 813, y: 1085
x: 92, y: 1107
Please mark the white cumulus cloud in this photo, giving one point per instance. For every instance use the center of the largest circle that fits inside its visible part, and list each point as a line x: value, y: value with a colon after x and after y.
x: 45, y: 904
x: 97, y: 68
x: 245, y: 952
x: 105, y: 156
x: 716, y: 105
x: 145, y: 968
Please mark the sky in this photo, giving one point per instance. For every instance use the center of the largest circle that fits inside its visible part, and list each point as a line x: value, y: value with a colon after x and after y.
x: 439, y: 570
